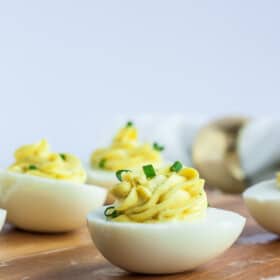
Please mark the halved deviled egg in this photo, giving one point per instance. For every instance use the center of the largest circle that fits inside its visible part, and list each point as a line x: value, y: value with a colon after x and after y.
x: 2, y: 217
x: 45, y: 191
x: 125, y: 152
x: 160, y: 222
x: 263, y: 202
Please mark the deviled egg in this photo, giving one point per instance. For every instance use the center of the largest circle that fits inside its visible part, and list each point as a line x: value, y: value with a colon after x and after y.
x: 263, y: 202
x: 2, y: 217
x: 46, y: 192
x: 160, y: 222
x: 125, y: 152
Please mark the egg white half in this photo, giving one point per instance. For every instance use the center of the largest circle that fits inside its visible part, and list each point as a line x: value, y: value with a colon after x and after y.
x: 100, y: 177
x: 2, y: 217
x: 263, y: 202
x: 47, y: 205
x: 165, y: 248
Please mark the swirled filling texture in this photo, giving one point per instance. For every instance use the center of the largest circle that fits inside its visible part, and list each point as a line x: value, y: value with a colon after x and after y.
x: 125, y: 152
x: 38, y: 160
x: 167, y: 196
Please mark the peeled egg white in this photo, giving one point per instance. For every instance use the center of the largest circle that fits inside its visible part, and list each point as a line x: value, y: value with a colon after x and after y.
x: 2, y: 217
x: 47, y: 205
x: 263, y: 202
x: 164, y: 248
x: 102, y: 178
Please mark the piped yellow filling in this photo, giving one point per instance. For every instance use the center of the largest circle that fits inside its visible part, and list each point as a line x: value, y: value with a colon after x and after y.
x: 37, y: 159
x: 278, y: 179
x: 167, y: 196
x: 125, y: 152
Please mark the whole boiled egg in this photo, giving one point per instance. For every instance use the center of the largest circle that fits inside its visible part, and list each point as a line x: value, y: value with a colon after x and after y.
x: 125, y: 152
x: 2, y: 217
x: 263, y: 202
x: 45, y: 192
x: 160, y: 222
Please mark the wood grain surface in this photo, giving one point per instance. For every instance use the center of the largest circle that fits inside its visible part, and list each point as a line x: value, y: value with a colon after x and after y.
x: 29, y: 256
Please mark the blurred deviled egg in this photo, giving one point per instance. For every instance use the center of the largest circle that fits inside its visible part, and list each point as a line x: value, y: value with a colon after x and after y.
x: 160, y: 222
x: 263, y: 202
x: 46, y: 192
x: 2, y: 217
x: 125, y: 152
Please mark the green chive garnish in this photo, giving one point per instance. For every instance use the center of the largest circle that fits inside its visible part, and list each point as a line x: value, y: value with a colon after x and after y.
x: 111, y: 212
x: 63, y: 156
x: 128, y: 124
x: 102, y: 163
x: 149, y: 171
x: 208, y: 204
x: 32, y: 167
x: 120, y: 172
x: 176, y: 166
x: 158, y: 147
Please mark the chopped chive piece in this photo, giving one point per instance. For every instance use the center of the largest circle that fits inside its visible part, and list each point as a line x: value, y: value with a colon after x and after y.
x: 176, y: 166
x: 63, y: 156
x: 149, y: 171
x: 111, y: 212
x: 158, y: 147
x: 120, y: 172
x: 208, y: 204
x: 129, y: 124
x: 32, y: 167
x: 102, y: 163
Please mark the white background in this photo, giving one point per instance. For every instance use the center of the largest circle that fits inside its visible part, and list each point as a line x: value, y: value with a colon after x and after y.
x: 68, y: 67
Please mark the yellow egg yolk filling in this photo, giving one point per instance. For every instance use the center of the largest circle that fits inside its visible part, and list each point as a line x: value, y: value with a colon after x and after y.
x: 38, y: 160
x: 278, y: 179
x: 125, y: 152
x: 167, y: 196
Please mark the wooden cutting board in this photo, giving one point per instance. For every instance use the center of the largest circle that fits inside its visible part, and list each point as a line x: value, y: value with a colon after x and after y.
x: 27, y: 256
